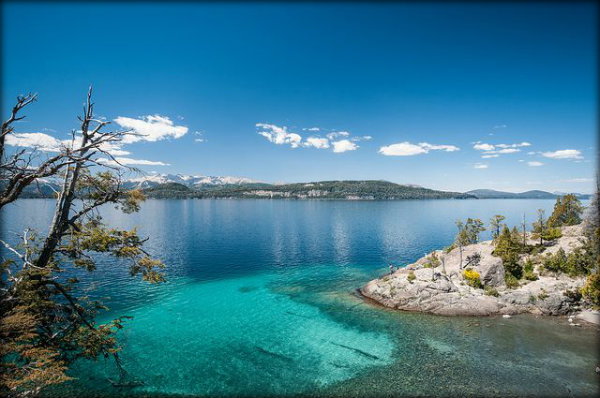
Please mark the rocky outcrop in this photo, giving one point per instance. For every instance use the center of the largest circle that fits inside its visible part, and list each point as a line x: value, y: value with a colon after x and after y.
x: 443, y: 290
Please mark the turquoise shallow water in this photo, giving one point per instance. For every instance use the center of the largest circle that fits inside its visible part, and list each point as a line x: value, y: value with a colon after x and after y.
x: 261, y: 300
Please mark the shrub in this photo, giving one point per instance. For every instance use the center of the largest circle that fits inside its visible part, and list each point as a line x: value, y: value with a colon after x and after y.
x: 490, y: 291
x: 530, y: 276
x: 551, y: 234
x: 472, y: 278
x: 512, y: 266
x: 411, y: 276
x: 450, y: 248
x: 591, y: 290
x: 511, y: 281
x: 574, y: 295
x: 579, y: 262
x: 543, y: 295
x: 557, y: 262
x: 528, y: 266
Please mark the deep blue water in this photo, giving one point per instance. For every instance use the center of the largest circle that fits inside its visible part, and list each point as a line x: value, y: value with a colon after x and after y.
x: 261, y: 300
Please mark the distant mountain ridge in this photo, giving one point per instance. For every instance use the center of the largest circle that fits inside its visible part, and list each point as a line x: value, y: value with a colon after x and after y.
x: 201, y: 186
x: 534, y: 194
x: 153, y: 180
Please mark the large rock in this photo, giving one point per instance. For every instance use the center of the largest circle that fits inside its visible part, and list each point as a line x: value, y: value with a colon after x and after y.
x: 444, y: 291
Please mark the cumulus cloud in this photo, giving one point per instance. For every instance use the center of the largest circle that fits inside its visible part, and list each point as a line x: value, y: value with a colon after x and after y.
x: 535, y: 164
x: 40, y: 141
x: 338, y: 141
x: 407, y: 149
x: 563, y: 154
x: 317, y: 142
x: 483, y: 147
x: 480, y: 166
x: 279, y: 135
x: 344, y: 146
x: 150, y: 128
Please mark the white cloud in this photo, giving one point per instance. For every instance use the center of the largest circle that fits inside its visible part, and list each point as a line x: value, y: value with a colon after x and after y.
x: 480, y: 166
x: 522, y: 144
x: 337, y: 134
x: 499, y: 126
x: 279, y: 135
x: 407, y: 149
x: 535, y: 164
x: 495, y: 155
x: 131, y: 162
x: 367, y: 137
x: 483, y: 147
x: 343, y: 146
x: 317, y: 142
x: 150, y: 128
x: 40, y: 141
x: 339, y: 141
x: 531, y: 153
x: 199, y: 140
x: 563, y: 154
x: 508, y: 150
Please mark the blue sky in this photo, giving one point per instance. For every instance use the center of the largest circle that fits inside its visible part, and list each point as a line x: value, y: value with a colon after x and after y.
x: 414, y: 93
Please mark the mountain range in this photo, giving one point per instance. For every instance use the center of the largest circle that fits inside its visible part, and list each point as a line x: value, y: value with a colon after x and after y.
x: 199, y: 186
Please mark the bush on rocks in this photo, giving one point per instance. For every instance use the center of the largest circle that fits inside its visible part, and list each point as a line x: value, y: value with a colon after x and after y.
x: 473, y: 278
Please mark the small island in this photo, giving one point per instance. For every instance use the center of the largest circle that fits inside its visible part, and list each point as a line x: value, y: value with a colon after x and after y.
x: 552, y: 270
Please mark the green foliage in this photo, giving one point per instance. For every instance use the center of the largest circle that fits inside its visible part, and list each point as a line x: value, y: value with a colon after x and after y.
x: 511, y: 281
x: 508, y: 250
x: 591, y: 290
x: 411, y: 276
x: 496, y: 225
x: 530, y: 276
x: 574, y: 295
x: 557, y: 262
x: 567, y: 211
x: 433, y: 261
x: 450, y: 248
x: 551, y: 234
x: 491, y: 291
x: 543, y: 295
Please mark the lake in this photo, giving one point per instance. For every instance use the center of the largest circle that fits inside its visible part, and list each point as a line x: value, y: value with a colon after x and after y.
x: 261, y: 300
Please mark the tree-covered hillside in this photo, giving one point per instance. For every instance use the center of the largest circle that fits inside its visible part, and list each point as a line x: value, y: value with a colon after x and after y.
x: 345, y: 190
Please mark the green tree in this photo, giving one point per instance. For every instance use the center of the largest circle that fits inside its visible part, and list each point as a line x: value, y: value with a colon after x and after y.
x: 507, y: 248
x: 567, y: 211
x: 473, y: 227
x: 496, y: 225
x: 47, y: 323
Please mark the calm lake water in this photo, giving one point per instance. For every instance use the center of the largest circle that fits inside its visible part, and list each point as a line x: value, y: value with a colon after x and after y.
x: 261, y: 300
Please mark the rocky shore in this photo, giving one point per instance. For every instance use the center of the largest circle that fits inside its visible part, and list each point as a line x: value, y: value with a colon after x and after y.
x: 444, y: 289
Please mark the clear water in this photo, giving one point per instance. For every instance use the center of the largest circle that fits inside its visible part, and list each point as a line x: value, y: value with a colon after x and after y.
x: 261, y: 300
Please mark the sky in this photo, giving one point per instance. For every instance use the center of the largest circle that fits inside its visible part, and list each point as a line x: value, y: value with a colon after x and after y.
x: 454, y: 96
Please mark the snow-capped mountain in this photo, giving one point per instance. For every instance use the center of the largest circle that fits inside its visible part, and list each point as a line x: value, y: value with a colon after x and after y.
x: 152, y: 180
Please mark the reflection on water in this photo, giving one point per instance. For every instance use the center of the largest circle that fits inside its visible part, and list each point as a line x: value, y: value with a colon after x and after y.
x: 261, y: 300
